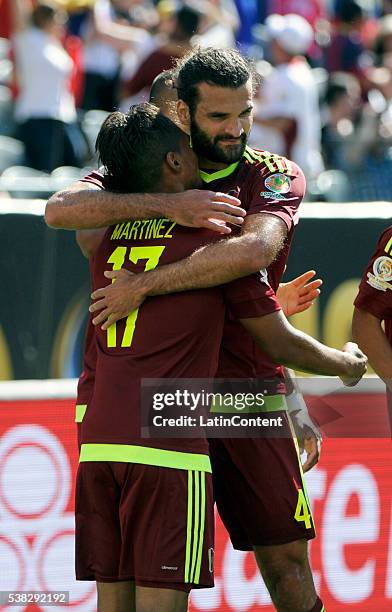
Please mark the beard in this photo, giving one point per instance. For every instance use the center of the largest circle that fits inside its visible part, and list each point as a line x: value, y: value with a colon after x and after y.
x: 210, y: 148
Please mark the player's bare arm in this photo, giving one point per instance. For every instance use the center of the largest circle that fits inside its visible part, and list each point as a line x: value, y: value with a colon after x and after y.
x: 261, y: 239
x: 86, y: 206
x: 369, y: 335
x: 89, y: 240
x: 286, y: 345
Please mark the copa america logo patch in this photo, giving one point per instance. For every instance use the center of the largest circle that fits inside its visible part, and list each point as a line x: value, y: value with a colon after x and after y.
x: 382, y: 276
x: 278, y: 186
x: 382, y: 268
x: 278, y: 183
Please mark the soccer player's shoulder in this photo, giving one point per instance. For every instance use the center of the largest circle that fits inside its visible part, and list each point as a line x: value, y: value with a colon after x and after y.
x: 279, y: 174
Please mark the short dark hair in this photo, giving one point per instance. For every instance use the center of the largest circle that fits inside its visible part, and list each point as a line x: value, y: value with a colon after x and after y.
x: 132, y: 147
x: 349, y: 11
x: 188, y: 19
x: 221, y: 67
x: 341, y: 84
x: 162, y: 82
x: 43, y: 14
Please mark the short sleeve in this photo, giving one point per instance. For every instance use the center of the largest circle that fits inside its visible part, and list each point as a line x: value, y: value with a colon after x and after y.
x: 250, y: 297
x: 375, y: 289
x: 279, y: 193
x: 95, y: 178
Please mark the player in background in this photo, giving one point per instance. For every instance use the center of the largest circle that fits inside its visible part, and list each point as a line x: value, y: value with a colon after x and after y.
x: 373, y: 305
x: 271, y: 189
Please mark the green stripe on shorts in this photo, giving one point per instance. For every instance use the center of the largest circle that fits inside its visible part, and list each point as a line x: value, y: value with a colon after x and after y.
x: 195, y: 526
x: 128, y: 453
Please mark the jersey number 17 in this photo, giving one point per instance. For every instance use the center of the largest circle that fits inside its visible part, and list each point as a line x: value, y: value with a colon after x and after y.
x: 152, y: 255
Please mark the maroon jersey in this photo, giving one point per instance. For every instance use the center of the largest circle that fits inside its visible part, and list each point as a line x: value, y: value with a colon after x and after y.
x: 170, y: 336
x: 375, y: 289
x: 86, y: 379
x: 265, y: 183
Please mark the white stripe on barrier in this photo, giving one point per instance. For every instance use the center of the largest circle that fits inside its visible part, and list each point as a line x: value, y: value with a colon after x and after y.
x: 66, y: 388
x: 308, y: 210
x: 38, y: 389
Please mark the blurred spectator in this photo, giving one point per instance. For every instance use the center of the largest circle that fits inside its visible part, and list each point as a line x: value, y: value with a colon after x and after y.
x: 220, y: 23
x: 311, y: 10
x: 346, y: 49
x: 45, y: 107
x: 184, y: 24
x: 5, y: 21
x: 107, y: 33
x: 386, y: 7
x: 248, y: 12
x: 342, y: 103
x: 78, y: 11
x: 383, y: 43
x: 287, y: 117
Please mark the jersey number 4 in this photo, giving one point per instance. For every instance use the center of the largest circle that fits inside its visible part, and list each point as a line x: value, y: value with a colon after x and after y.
x: 152, y: 255
x: 302, y: 512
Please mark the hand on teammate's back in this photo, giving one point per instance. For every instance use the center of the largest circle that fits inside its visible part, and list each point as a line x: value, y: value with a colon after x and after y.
x: 117, y: 300
x: 357, y: 367
x: 208, y: 209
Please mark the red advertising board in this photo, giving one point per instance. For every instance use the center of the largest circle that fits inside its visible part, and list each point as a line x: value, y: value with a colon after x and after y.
x: 350, y: 490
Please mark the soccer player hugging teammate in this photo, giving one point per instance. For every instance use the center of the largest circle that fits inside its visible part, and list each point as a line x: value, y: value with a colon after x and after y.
x: 144, y: 507
x: 218, y: 115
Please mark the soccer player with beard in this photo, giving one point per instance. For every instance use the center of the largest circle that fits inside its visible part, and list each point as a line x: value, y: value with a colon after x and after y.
x: 139, y: 541
x: 144, y: 507
x: 216, y: 91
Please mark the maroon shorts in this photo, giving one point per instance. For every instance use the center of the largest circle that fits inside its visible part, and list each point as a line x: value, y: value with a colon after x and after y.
x: 259, y: 490
x: 144, y: 523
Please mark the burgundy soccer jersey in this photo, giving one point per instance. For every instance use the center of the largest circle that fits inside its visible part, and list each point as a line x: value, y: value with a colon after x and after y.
x: 375, y: 289
x: 268, y: 184
x: 86, y: 379
x: 170, y: 336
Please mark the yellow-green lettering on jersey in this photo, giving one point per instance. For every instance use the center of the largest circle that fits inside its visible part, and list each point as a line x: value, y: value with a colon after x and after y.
x: 152, y: 254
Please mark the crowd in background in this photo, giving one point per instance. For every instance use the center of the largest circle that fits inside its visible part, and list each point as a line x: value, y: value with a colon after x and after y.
x: 325, y: 99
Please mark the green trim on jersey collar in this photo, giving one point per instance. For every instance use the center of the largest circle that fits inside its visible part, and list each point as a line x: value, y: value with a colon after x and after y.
x: 208, y: 178
x: 128, y: 453
x: 214, y: 176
